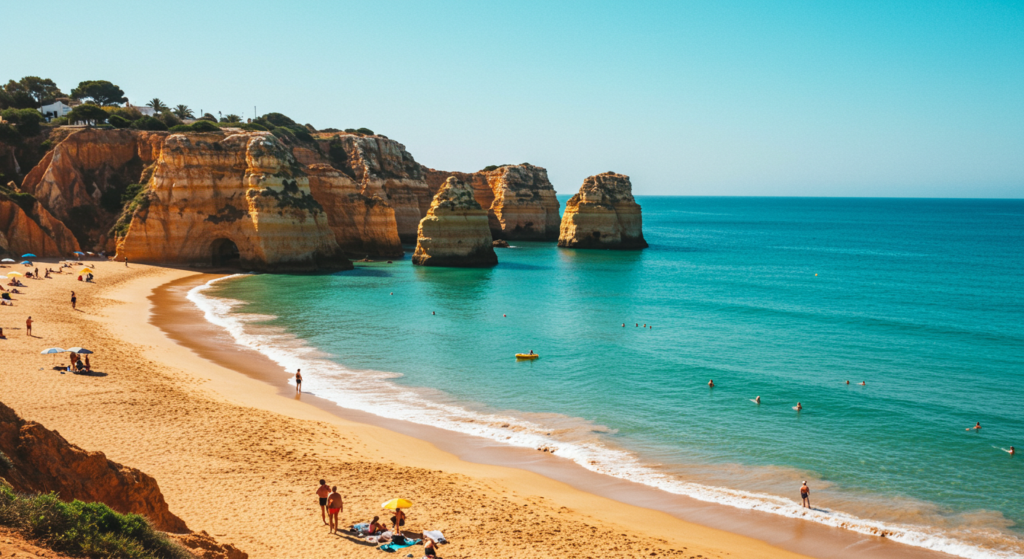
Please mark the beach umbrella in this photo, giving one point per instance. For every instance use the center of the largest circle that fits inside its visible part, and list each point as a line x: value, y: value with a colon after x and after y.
x: 27, y: 263
x: 396, y: 504
x: 79, y: 350
x: 30, y: 255
x: 50, y: 350
x: 91, y: 253
x: 13, y: 274
x: 8, y: 260
x: 85, y: 271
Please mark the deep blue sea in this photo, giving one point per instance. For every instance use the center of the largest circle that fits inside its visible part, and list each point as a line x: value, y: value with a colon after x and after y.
x: 782, y: 298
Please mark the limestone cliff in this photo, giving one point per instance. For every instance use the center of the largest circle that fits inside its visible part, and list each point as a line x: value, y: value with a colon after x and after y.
x: 44, y: 461
x: 520, y: 200
x: 80, y: 181
x: 455, y: 231
x: 220, y: 196
x: 382, y: 168
x: 363, y: 225
x: 33, y: 230
x: 603, y: 215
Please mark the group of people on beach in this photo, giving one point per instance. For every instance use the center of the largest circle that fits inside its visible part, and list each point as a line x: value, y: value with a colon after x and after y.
x: 377, y: 531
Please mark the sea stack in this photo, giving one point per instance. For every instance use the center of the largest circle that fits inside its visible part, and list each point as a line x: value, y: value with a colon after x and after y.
x: 603, y: 214
x: 455, y: 232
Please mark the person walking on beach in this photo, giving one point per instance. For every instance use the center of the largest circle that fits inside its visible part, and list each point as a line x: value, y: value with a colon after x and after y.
x: 805, y: 495
x: 323, y: 492
x: 298, y: 381
x: 125, y: 261
x: 28, y: 326
x: 334, y: 506
x: 74, y: 300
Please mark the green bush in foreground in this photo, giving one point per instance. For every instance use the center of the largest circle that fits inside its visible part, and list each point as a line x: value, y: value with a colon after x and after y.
x: 85, y: 529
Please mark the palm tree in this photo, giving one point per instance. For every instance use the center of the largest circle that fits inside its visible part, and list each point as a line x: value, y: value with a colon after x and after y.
x: 183, y: 111
x: 157, y: 105
x: 232, y: 118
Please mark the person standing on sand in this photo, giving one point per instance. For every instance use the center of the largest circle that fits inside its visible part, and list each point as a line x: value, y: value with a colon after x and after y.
x: 323, y: 492
x: 334, y: 506
x: 805, y: 495
x: 125, y: 261
x: 298, y: 381
x: 74, y: 300
x: 28, y: 326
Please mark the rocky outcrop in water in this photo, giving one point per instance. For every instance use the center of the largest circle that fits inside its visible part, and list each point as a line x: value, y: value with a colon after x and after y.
x: 603, y: 215
x: 520, y: 200
x: 220, y: 198
x: 33, y: 231
x: 42, y: 461
x: 81, y: 180
x: 455, y: 231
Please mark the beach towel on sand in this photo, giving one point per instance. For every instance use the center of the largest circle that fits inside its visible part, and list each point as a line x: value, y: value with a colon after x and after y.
x: 361, y: 527
x: 435, y: 535
x: 393, y: 547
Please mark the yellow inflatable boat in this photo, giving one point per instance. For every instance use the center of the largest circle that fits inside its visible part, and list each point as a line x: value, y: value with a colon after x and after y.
x: 526, y: 356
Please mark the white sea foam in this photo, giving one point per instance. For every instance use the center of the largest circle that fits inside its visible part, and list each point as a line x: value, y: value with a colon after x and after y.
x: 368, y: 391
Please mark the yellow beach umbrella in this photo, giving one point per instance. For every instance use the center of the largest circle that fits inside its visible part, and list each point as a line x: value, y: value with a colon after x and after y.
x: 13, y: 274
x: 85, y: 271
x: 396, y: 504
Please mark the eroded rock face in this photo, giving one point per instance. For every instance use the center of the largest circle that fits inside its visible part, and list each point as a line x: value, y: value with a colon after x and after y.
x: 363, y: 225
x: 603, y: 214
x: 218, y: 196
x: 44, y: 461
x: 384, y: 169
x: 81, y: 179
x: 520, y: 200
x: 455, y: 231
x: 34, y: 231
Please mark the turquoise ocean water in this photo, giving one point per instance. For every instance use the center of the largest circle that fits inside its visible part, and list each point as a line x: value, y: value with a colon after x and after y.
x: 782, y: 298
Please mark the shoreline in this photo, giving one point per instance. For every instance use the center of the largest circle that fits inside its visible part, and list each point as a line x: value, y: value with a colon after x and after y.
x: 184, y: 323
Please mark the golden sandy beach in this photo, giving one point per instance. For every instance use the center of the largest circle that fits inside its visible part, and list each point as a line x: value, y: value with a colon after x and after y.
x: 239, y: 461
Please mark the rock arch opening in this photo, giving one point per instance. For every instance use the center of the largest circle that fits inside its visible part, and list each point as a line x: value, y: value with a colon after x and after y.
x: 225, y: 253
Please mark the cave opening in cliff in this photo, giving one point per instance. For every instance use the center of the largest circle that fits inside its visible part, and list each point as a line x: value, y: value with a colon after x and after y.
x: 225, y: 253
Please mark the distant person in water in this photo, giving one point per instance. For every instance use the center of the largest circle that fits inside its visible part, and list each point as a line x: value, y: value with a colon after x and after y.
x: 334, y: 506
x: 799, y: 406
x: 531, y: 352
x: 862, y: 383
x: 847, y: 382
x: 322, y: 493
x: 1011, y: 451
x: 977, y: 427
x: 432, y: 312
x: 757, y: 400
x: 711, y: 384
x: 298, y: 380
x: 805, y: 495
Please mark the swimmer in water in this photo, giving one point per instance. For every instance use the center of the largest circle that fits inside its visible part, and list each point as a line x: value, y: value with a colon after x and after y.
x: 757, y: 400
x: 432, y: 312
x: 799, y: 406
x: 977, y: 427
x: 1011, y: 451
x: 862, y: 383
x: 711, y: 384
x: 847, y: 382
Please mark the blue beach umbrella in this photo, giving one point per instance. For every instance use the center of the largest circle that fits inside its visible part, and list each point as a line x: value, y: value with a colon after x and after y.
x: 27, y: 263
x: 30, y: 255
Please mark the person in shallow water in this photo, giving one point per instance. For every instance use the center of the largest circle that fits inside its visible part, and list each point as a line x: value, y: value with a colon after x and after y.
x: 298, y: 381
x: 977, y: 427
x: 805, y: 495
x: 757, y: 400
x: 711, y: 384
x: 799, y: 406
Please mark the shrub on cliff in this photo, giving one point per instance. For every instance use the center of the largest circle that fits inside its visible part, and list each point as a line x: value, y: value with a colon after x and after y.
x: 85, y: 529
x: 25, y: 120
x: 87, y: 113
x: 169, y: 119
x: 101, y: 92
x: 204, y: 126
x: 149, y: 123
x: 119, y: 121
x: 273, y: 120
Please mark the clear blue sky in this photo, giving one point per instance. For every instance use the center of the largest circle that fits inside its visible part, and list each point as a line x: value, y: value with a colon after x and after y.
x: 688, y: 98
